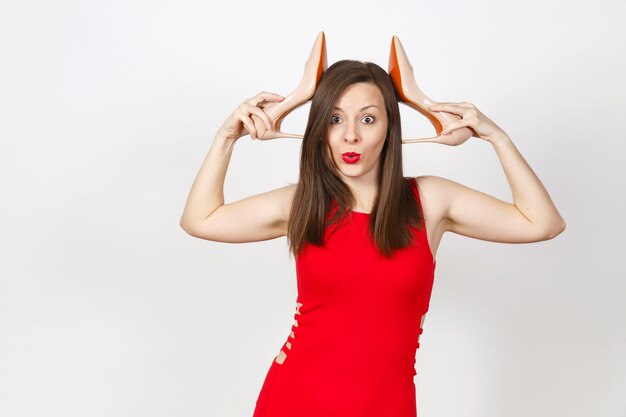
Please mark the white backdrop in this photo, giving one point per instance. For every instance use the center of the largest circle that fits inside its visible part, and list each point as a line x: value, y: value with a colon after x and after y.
x: 108, y: 108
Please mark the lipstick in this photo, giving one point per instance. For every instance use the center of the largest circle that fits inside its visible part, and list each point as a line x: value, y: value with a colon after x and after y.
x: 351, y: 157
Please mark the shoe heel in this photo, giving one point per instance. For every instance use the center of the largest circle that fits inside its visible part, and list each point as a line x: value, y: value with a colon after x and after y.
x: 314, y: 68
x: 401, y: 73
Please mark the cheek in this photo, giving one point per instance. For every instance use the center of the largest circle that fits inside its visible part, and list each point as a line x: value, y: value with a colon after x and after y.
x: 381, y: 139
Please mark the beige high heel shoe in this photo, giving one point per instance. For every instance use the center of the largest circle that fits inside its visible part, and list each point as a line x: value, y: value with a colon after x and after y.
x: 401, y: 72
x: 314, y: 67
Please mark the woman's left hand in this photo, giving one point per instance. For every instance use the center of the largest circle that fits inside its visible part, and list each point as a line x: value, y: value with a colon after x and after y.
x: 471, y: 117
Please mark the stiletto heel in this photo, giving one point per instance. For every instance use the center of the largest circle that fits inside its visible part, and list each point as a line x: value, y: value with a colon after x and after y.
x: 314, y: 68
x: 401, y: 72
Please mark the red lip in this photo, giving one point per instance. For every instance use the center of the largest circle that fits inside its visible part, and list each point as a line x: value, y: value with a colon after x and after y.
x: 351, y: 157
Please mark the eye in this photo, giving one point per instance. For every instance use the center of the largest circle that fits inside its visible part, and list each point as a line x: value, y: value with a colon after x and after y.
x: 334, y: 116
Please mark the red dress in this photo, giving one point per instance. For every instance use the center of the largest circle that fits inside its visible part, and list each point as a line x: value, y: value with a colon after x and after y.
x: 358, y: 317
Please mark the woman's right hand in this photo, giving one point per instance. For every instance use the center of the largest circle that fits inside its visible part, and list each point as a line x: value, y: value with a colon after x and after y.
x: 240, y: 122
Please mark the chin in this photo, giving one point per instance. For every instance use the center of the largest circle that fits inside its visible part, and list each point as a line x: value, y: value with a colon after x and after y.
x: 353, y: 173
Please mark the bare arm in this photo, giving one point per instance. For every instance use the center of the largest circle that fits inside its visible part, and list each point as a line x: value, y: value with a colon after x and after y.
x: 255, y: 218
x: 531, y: 217
x: 207, y: 190
x: 259, y: 217
x: 529, y: 195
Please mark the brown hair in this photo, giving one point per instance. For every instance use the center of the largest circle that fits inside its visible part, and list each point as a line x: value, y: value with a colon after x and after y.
x: 395, y: 206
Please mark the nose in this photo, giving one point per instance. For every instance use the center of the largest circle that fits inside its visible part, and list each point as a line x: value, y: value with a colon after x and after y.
x: 351, y: 136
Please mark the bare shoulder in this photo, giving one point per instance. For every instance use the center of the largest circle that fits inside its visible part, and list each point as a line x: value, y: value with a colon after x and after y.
x: 434, y: 199
x: 282, y: 198
x: 473, y: 213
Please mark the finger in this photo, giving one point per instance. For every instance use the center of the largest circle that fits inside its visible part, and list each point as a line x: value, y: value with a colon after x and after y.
x: 264, y: 116
x: 455, y: 108
x: 251, y: 130
x: 264, y: 96
x: 449, y: 108
x: 247, y: 110
x: 463, y: 104
x: 249, y: 125
x: 269, y: 96
x: 453, y: 126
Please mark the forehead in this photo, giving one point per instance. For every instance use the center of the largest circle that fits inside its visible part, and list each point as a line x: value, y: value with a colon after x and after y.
x: 358, y: 95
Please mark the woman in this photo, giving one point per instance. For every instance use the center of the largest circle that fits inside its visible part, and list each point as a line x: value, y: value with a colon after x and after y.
x: 364, y: 237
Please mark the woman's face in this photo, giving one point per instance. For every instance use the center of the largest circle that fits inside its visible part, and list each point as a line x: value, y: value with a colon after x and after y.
x: 358, y: 124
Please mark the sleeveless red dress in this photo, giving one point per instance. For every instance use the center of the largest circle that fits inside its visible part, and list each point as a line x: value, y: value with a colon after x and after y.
x: 358, y: 317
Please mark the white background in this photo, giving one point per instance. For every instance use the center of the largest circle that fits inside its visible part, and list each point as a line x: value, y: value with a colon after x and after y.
x: 107, y: 110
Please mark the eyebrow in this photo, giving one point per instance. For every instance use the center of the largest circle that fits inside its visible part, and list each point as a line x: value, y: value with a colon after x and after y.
x: 371, y: 105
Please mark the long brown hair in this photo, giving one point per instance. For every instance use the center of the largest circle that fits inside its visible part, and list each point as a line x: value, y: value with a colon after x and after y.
x: 395, y: 206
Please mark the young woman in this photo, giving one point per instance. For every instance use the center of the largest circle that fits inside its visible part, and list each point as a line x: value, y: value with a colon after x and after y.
x: 364, y: 238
